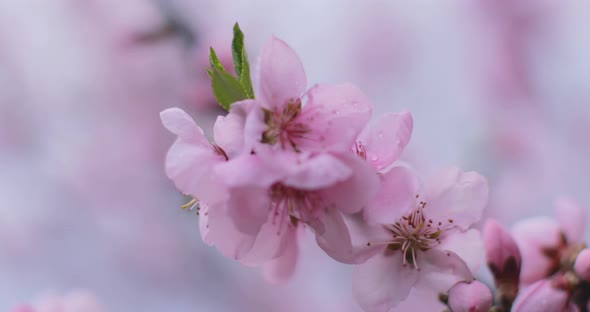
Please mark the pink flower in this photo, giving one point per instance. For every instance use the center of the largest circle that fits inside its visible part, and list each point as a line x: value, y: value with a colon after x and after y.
x: 541, y: 296
x: 470, y: 297
x: 274, y: 193
x: 323, y: 118
x: 429, y: 244
x: 543, y: 241
x: 190, y: 162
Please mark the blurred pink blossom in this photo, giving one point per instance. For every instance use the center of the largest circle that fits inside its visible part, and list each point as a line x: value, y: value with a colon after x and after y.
x: 543, y: 241
x: 470, y: 297
x: 542, y: 296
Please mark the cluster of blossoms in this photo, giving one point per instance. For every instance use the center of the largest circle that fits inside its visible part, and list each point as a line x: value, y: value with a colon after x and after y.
x: 544, y: 257
x: 293, y: 160
x: 288, y: 159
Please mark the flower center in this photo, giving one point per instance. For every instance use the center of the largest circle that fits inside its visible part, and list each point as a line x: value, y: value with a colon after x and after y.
x: 413, y: 234
x: 283, y: 127
x: 296, y: 204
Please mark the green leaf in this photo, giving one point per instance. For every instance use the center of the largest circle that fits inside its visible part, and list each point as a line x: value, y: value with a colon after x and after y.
x: 240, y: 58
x: 214, y: 60
x: 237, y: 49
x: 226, y: 88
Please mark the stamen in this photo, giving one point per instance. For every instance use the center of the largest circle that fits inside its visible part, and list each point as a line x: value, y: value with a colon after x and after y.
x: 360, y: 150
x: 412, y: 234
x: 283, y: 126
x: 220, y: 151
x: 291, y: 205
x: 192, y: 205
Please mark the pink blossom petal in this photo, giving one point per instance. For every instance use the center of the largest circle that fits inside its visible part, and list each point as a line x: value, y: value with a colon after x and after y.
x: 382, y: 282
x: 456, y: 195
x: 190, y: 167
x: 225, y: 236
x: 572, y: 219
x: 318, y: 172
x: 396, y: 196
x: 229, y: 130
x: 363, y: 234
x: 443, y: 268
x: 204, y: 223
x: 541, y: 297
x: 502, y: 253
x: 336, y: 115
x: 582, y: 264
x: 249, y: 208
x: 353, y: 194
x: 271, y: 241
x: 280, y: 73
x: 254, y: 127
x: 280, y: 269
x: 385, y: 138
x: 468, y: 245
x: 532, y: 236
x: 180, y: 123
x: 421, y: 299
x: 333, y: 237
x: 253, y: 170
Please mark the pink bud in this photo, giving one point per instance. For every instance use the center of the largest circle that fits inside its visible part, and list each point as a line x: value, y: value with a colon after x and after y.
x: 470, y: 297
x: 541, y: 297
x: 582, y: 265
x: 502, y: 253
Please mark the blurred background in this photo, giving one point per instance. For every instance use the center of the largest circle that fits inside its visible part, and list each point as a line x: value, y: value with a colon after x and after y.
x: 500, y: 87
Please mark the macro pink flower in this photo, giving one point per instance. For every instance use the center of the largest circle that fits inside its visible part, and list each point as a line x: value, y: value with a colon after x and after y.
x: 279, y: 163
x: 470, y: 297
x: 428, y: 244
x: 324, y: 118
x: 543, y: 241
x: 274, y: 193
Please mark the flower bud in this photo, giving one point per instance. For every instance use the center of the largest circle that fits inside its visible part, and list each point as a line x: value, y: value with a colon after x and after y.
x: 541, y: 297
x: 504, y: 260
x: 582, y: 265
x: 502, y: 253
x: 470, y: 297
